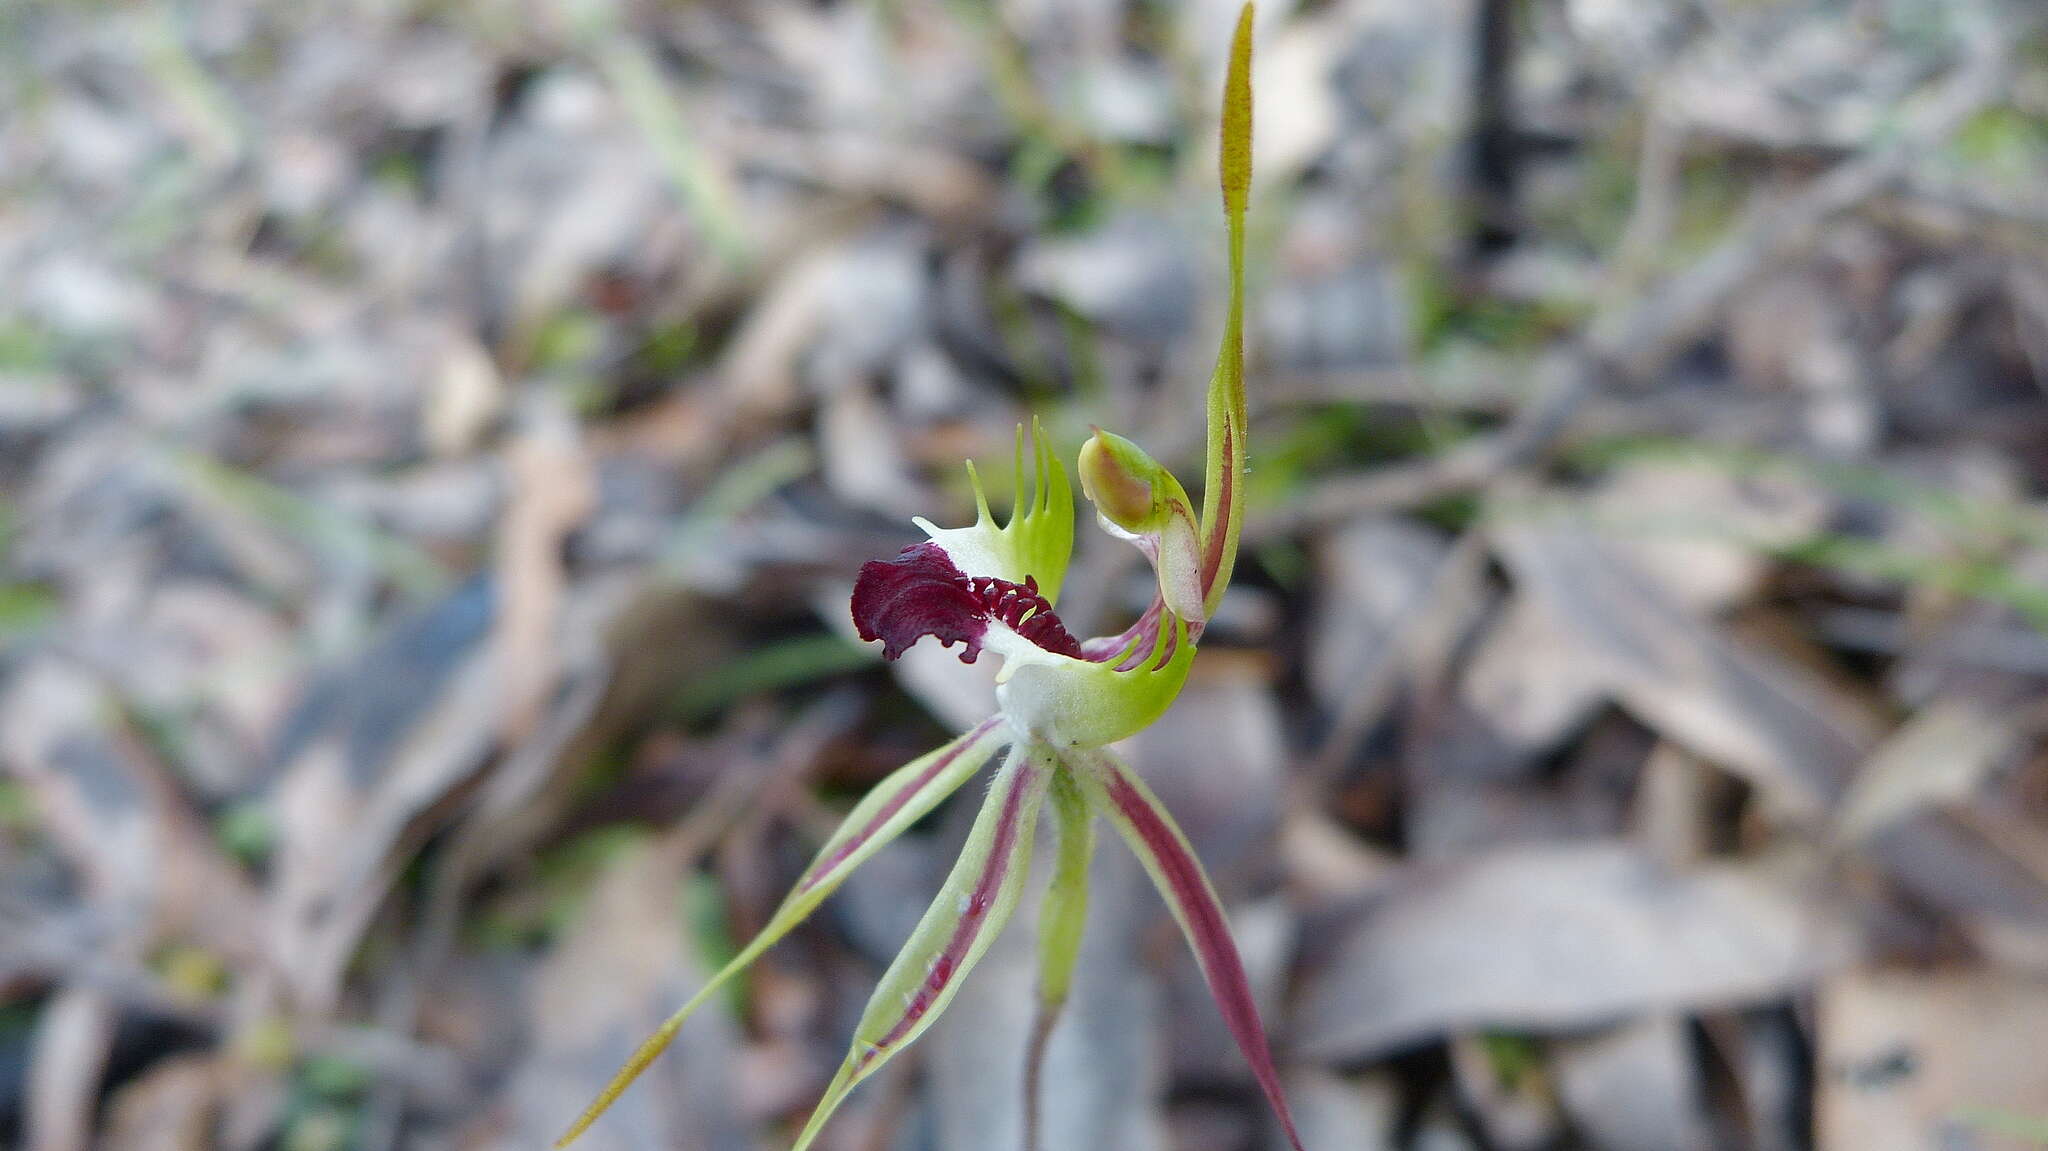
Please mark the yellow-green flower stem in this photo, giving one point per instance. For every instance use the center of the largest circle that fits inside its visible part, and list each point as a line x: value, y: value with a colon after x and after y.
x: 1061, y: 920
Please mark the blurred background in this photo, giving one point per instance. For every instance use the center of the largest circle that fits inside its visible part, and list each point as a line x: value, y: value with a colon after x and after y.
x: 436, y: 441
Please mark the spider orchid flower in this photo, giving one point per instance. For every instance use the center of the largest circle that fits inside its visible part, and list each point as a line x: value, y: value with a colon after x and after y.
x: 1061, y: 702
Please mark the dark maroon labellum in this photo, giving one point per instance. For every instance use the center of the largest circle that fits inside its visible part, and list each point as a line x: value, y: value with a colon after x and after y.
x: 921, y: 593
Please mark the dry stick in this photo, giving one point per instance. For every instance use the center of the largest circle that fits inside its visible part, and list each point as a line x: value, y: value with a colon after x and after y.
x: 2013, y: 649
x: 66, y: 952
x: 1468, y: 466
x: 520, y: 773
x: 1639, y: 338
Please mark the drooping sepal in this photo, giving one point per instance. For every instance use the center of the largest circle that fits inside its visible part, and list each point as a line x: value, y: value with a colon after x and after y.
x: 1039, y: 539
x: 1115, y: 791
x: 906, y: 796
x: 976, y: 900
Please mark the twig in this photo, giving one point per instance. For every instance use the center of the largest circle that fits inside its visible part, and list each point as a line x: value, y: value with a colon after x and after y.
x: 1464, y: 468
x: 1639, y: 338
x: 1634, y: 336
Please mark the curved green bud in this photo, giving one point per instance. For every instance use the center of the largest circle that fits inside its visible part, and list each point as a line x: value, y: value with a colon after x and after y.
x: 1039, y: 539
x: 1123, y: 482
x: 1137, y: 499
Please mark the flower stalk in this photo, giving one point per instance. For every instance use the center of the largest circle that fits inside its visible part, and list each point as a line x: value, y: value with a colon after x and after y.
x: 1061, y: 702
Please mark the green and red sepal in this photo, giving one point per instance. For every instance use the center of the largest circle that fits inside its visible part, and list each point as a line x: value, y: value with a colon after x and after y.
x: 1115, y: 791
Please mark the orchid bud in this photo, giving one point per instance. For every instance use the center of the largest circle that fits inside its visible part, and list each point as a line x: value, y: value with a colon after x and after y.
x: 1118, y: 477
x: 1137, y: 499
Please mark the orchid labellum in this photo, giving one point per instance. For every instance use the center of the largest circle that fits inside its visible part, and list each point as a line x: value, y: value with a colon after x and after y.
x: 1061, y: 702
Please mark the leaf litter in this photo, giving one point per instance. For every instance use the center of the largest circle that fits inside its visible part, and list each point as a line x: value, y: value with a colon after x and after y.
x: 435, y: 444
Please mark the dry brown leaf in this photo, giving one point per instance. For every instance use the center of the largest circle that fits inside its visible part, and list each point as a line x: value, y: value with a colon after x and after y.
x: 1701, y: 530
x: 1988, y: 875
x: 1528, y: 682
x: 1910, y: 1060
x: 621, y: 968
x: 1938, y: 757
x: 1559, y: 938
x: 370, y: 749
x: 860, y: 455
x: 1635, y: 1087
x: 1372, y: 575
x: 152, y: 868
x: 170, y: 1108
x: 553, y: 489
x: 1759, y: 717
x: 74, y: 1035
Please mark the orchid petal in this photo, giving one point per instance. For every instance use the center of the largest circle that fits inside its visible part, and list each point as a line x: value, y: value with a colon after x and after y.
x: 906, y: 796
x: 970, y: 909
x: 1223, y: 478
x: 1114, y: 790
x: 1039, y: 539
x: 921, y: 593
x: 1061, y: 920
